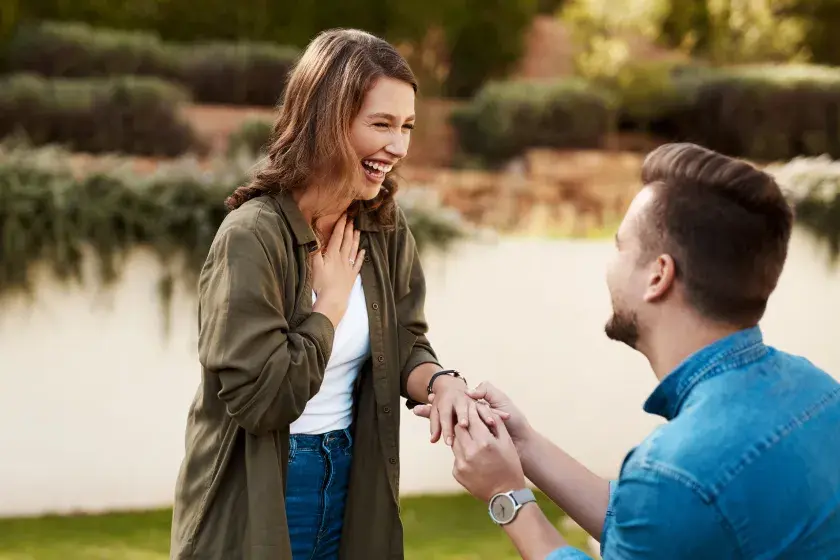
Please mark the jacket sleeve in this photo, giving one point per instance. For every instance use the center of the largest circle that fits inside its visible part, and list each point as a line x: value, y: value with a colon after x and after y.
x: 267, y: 372
x: 410, y: 299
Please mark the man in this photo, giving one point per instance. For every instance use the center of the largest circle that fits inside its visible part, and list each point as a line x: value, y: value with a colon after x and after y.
x: 748, y: 465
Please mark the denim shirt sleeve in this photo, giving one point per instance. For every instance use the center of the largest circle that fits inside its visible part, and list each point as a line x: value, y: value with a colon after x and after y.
x: 571, y: 553
x: 657, y: 514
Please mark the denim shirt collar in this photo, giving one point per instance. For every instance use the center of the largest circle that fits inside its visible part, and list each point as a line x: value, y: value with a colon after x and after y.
x: 734, y: 350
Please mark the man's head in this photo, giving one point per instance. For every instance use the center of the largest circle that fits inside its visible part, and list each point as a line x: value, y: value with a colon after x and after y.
x: 707, y: 236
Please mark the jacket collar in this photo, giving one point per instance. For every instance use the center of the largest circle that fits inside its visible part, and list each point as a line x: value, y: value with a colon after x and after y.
x: 734, y: 350
x: 364, y: 222
x: 302, y: 231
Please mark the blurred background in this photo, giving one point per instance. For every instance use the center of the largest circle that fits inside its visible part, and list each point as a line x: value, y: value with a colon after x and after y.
x: 533, y: 119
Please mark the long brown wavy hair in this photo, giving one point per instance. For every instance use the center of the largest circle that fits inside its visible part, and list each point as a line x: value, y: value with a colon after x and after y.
x: 310, y: 142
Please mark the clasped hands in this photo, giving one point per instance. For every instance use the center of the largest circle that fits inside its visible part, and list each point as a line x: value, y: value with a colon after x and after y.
x: 482, y: 427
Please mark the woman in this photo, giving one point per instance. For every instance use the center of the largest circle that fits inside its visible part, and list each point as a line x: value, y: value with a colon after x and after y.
x: 311, y: 328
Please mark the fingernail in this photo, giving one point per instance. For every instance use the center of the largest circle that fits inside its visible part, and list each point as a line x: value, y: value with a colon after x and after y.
x: 449, y: 441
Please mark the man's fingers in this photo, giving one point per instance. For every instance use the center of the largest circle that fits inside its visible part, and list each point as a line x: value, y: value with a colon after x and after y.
x: 486, y: 414
x: 501, y: 431
x: 479, y: 391
x: 478, y: 430
x: 463, y: 443
x: 487, y: 392
x: 422, y: 410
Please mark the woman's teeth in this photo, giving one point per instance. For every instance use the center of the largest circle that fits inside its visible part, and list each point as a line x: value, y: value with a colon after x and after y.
x: 375, y: 165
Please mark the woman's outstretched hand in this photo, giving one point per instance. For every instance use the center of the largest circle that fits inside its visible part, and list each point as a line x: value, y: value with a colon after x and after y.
x: 449, y: 406
x: 334, y: 271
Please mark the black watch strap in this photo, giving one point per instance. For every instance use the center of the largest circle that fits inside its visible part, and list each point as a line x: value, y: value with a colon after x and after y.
x: 452, y: 372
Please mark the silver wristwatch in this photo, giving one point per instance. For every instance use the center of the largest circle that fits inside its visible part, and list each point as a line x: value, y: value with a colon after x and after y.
x: 505, y: 506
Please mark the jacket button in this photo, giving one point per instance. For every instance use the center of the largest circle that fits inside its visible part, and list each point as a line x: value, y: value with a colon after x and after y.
x: 375, y: 306
x: 380, y: 358
x: 386, y: 409
x: 393, y: 460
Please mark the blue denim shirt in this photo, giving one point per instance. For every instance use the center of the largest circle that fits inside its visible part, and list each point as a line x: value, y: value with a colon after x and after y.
x: 748, y: 465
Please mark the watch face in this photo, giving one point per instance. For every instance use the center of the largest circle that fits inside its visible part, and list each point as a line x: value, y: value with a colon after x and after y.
x: 502, y: 508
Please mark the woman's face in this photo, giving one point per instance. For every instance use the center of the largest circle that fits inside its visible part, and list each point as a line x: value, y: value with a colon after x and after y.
x: 381, y: 131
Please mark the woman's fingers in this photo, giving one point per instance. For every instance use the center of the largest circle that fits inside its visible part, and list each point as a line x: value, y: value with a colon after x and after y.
x: 337, y: 236
x: 354, y: 247
x: 347, y: 239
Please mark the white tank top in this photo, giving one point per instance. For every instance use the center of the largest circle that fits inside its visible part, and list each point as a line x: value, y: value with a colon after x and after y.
x: 332, y: 407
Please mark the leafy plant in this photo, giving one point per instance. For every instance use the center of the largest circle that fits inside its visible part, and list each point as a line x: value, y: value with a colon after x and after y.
x: 507, y: 118
x: 813, y: 185
x: 130, y: 114
x: 55, y: 215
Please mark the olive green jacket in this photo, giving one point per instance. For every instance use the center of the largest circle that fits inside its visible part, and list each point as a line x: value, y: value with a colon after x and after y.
x: 263, y: 353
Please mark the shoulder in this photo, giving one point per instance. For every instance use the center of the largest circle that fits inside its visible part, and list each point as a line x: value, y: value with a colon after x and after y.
x: 740, y: 419
x: 260, y: 217
x: 255, y: 229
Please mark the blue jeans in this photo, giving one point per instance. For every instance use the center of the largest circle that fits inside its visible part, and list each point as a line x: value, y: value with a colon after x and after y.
x: 316, y: 492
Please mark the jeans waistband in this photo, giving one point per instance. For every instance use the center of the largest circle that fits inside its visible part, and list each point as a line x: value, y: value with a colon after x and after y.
x: 336, y: 439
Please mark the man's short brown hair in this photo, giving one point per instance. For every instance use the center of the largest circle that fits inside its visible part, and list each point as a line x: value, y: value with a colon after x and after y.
x: 726, y: 224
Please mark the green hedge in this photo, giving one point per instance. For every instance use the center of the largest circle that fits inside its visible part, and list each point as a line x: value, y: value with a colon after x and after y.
x: 132, y: 115
x: 759, y: 112
x: 480, y: 39
x: 49, y: 214
x: 251, y: 138
x: 506, y: 118
x: 235, y: 73
x: 76, y: 50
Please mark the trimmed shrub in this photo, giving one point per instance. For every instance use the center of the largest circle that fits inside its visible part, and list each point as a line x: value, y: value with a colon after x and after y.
x: 236, y: 73
x: 76, y: 50
x: 762, y: 112
x: 765, y: 112
x: 813, y: 185
x: 648, y: 93
x: 132, y: 115
x: 251, y: 138
x: 507, y: 118
x: 51, y: 214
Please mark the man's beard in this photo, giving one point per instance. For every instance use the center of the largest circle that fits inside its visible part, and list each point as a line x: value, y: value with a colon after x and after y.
x: 623, y: 327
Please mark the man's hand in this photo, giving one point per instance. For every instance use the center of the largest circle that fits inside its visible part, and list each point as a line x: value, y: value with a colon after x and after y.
x: 458, y: 402
x: 515, y: 421
x: 486, y: 463
x: 492, y: 404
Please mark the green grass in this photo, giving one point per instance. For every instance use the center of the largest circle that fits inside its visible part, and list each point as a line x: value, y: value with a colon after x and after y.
x: 450, y: 527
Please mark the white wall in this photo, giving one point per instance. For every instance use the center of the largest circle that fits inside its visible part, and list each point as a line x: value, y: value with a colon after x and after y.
x: 93, y: 396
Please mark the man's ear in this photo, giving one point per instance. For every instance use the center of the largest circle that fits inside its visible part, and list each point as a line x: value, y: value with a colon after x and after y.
x: 662, y: 275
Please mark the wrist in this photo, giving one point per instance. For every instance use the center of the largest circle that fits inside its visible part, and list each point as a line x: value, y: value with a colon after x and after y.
x: 445, y: 381
x: 332, y: 311
x: 526, y: 444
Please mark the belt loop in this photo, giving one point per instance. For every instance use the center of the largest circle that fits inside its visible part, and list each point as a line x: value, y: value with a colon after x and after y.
x: 292, y: 446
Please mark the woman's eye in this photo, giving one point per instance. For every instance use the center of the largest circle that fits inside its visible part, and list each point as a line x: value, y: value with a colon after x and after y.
x: 409, y: 127
x: 381, y: 125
